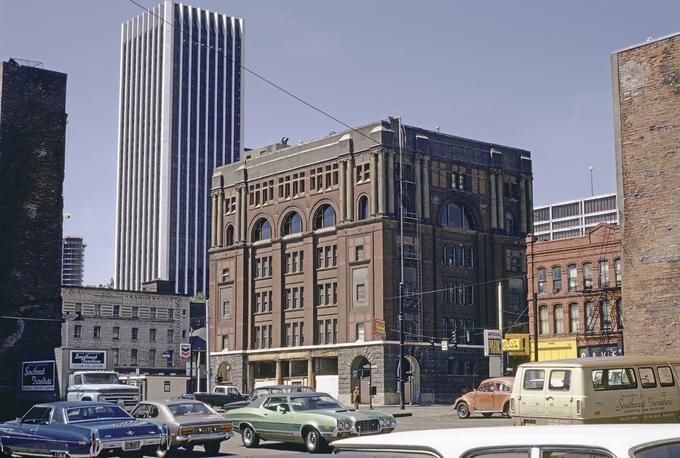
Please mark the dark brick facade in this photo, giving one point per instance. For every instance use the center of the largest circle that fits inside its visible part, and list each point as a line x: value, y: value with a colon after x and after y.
x: 32, y: 142
x: 646, y: 86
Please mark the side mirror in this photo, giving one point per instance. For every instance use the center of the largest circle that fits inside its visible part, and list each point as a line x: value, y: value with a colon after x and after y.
x: 282, y: 408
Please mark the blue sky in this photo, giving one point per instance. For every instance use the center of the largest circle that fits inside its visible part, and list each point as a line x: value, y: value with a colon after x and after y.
x: 530, y: 74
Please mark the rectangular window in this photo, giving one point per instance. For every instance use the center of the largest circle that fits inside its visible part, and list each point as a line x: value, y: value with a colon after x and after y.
x: 225, y: 274
x: 116, y: 310
x: 152, y: 313
x: 587, y: 276
x: 534, y: 379
x: 665, y: 376
x: 560, y: 380
x: 360, y: 332
x: 617, y: 272
x: 329, y: 335
x: 319, y: 295
x: 647, y: 378
x: 543, y: 317
x: 360, y: 292
x: 152, y: 358
x: 289, y: 335
x: 133, y: 357
x: 97, y: 310
x: 541, y: 278
x: 320, y: 336
x: 558, y: 318
x: 115, y: 334
x: 359, y: 253
x: 134, y: 334
x: 557, y: 279
x: 152, y: 335
x: 573, y: 318
x: 590, y: 316
x: 288, y: 300
x: 135, y: 311
x: 614, y: 379
x: 335, y: 331
x: 571, y: 277
x: 171, y: 314
x: 77, y: 331
x: 603, y: 274
x: 335, y: 293
x: 605, y: 315
x: 97, y: 332
x: 225, y: 342
x: 319, y: 258
x: 116, y: 356
x: 171, y: 336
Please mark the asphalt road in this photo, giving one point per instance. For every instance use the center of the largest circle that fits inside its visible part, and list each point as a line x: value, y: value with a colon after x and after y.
x: 429, y: 417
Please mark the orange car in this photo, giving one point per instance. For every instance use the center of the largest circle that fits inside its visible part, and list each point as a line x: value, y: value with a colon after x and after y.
x: 492, y: 396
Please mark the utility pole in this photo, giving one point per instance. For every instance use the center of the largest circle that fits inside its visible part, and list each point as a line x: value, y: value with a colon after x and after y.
x: 207, y: 346
x: 500, y: 321
x: 535, y: 306
x: 402, y: 399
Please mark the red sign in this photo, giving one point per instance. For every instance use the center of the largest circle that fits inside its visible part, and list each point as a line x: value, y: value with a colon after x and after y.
x: 185, y: 350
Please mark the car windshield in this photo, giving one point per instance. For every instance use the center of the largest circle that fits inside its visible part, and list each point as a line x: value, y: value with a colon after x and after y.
x: 303, y: 403
x: 100, y: 378
x: 95, y: 412
x: 189, y: 408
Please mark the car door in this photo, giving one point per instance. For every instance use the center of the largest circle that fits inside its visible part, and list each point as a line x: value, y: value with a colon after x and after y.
x: 532, y: 394
x: 273, y: 422
x: 484, y: 397
x: 28, y: 440
x: 558, y: 398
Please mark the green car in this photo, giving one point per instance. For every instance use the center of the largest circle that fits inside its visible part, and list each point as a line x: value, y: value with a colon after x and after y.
x: 313, y: 419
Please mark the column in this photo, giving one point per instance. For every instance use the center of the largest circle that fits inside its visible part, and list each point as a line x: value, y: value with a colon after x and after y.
x: 492, y: 194
x: 499, y: 199
x: 374, y: 184
x: 213, y: 227
x: 390, y: 182
x: 244, y: 211
x: 419, y: 194
x: 220, y: 219
x: 343, y: 194
x: 310, y: 373
x: 279, y: 376
x: 381, y: 182
x: 237, y: 224
x: 350, y: 189
x: 522, y: 206
x: 426, y: 188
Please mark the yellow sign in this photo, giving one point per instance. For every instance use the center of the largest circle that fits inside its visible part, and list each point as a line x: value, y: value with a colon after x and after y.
x: 379, y: 327
x: 513, y: 344
x: 516, y: 344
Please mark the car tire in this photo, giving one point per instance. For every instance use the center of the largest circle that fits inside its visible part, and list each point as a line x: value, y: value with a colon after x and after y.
x: 212, y: 448
x: 314, y: 442
x: 487, y: 414
x: 506, y: 409
x: 249, y: 437
x: 463, y: 410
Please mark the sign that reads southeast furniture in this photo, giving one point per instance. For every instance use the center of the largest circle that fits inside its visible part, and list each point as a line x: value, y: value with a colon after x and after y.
x: 37, y: 376
x: 87, y: 359
x: 492, y: 342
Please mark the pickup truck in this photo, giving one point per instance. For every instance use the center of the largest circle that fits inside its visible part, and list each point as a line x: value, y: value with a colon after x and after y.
x: 221, y: 394
x: 101, y: 386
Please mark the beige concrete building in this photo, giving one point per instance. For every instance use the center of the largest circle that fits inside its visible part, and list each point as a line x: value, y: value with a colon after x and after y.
x: 305, y: 262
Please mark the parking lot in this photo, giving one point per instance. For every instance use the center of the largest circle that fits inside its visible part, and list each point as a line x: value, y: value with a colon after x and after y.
x: 426, y: 417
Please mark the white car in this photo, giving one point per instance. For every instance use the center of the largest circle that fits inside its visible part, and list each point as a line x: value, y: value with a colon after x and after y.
x: 581, y: 441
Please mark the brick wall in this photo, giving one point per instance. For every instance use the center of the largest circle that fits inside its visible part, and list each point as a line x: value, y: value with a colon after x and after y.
x: 646, y: 86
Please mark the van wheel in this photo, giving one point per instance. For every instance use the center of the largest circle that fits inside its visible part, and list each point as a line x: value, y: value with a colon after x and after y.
x: 487, y: 414
x: 506, y: 409
x: 463, y: 410
x: 249, y: 438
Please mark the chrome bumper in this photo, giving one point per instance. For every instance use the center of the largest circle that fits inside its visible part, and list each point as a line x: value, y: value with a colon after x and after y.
x: 198, y: 438
x: 103, y: 445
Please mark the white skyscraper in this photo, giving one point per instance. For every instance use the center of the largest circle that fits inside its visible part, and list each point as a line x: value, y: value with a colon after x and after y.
x: 180, y: 117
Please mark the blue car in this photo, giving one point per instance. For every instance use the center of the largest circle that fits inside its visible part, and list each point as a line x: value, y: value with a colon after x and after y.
x: 81, y: 429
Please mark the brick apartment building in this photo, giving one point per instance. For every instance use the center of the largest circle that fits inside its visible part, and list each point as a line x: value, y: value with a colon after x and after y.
x: 306, y: 256
x: 578, y: 282
x: 646, y: 85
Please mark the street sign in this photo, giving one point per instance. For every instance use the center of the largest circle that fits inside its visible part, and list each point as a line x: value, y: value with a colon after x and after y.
x: 87, y: 359
x: 492, y: 342
x: 445, y: 345
x: 185, y: 350
x: 37, y: 376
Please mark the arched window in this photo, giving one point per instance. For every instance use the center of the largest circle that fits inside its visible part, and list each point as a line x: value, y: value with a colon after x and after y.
x: 573, y: 318
x: 262, y: 230
x: 543, y: 317
x: 230, y: 235
x: 292, y: 224
x: 541, y: 278
x: 558, y: 319
x: 454, y: 215
x: 363, y: 207
x: 509, y: 223
x: 324, y: 217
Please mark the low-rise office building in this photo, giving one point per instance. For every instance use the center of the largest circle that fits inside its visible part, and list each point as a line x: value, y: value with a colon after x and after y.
x: 578, y: 285
x: 126, y: 331
x: 305, y: 265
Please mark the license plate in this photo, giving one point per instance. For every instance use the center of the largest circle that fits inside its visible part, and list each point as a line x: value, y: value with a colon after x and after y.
x: 131, y: 445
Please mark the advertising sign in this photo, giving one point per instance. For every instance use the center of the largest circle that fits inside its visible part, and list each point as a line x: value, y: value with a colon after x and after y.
x: 445, y: 345
x: 37, y: 376
x: 492, y: 342
x: 87, y: 359
x: 185, y: 350
x: 379, y: 327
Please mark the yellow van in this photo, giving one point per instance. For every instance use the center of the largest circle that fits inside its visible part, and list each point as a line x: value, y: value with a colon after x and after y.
x: 616, y: 389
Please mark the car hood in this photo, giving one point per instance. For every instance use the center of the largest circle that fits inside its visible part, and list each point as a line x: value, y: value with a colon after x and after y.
x: 101, y: 387
x: 112, y: 429
x: 342, y: 414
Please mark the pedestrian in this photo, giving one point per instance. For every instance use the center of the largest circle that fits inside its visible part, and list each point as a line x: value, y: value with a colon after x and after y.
x: 356, y: 394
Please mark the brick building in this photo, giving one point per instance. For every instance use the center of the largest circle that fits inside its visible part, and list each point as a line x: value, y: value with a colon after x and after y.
x: 578, y: 282
x: 139, y: 330
x: 646, y: 85
x: 32, y: 146
x: 306, y: 255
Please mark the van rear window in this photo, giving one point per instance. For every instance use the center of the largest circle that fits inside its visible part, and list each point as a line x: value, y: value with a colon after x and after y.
x: 534, y: 379
x: 559, y: 380
x: 614, y: 379
x: 665, y: 376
